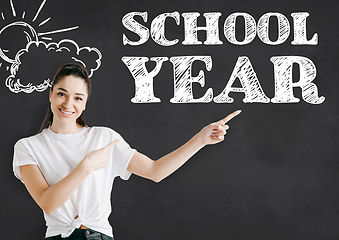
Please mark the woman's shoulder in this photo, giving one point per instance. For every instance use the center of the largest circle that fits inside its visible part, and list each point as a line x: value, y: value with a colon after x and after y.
x: 103, y: 130
x: 29, y: 140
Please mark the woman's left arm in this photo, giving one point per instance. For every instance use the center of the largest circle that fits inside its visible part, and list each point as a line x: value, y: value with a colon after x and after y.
x: 143, y: 166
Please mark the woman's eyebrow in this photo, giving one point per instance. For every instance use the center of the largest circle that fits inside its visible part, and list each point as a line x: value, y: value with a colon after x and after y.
x: 75, y: 93
x: 62, y: 89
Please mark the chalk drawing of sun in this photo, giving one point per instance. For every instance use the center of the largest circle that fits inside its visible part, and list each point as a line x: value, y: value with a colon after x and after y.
x: 25, y: 37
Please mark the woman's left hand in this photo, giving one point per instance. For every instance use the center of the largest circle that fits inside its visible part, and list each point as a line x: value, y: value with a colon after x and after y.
x: 143, y: 166
x: 215, y: 132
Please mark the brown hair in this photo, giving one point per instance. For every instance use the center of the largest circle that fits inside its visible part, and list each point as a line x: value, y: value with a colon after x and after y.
x: 66, y: 70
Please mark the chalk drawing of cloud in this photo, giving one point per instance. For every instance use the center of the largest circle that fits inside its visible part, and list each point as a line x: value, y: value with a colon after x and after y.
x: 38, y: 54
x: 31, y: 56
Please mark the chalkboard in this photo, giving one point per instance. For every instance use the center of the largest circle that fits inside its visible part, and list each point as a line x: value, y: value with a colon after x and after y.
x: 275, y: 176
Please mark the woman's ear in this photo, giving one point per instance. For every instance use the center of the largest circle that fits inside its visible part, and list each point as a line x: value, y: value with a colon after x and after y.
x: 50, y: 95
x: 85, y: 103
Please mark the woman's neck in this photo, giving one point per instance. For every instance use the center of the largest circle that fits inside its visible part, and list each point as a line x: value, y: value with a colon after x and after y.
x: 66, y: 129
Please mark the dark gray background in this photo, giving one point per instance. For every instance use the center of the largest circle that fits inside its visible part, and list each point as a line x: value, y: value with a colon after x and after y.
x: 274, y: 177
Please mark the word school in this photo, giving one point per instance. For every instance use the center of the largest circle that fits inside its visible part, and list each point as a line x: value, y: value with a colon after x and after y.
x: 243, y: 70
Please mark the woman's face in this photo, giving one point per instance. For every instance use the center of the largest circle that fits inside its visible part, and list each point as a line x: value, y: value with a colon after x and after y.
x: 68, y: 99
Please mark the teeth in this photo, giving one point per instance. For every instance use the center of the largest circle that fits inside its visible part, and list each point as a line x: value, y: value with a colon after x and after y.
x: 68, y: 113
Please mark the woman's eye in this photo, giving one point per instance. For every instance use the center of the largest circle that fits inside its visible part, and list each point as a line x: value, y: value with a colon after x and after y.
x: 61, y: 94
x: 79, y: 99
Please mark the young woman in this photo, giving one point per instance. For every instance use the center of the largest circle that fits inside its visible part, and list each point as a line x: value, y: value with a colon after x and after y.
x: 69, y: 167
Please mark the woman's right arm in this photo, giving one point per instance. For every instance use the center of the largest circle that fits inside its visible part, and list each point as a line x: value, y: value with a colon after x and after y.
x: 50, y: 198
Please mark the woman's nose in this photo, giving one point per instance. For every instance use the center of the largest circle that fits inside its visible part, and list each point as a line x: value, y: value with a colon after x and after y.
x: 67, y: 103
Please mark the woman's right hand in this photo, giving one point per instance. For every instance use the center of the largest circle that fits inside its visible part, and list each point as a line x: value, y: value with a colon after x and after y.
x: 50, y: 198
x: 97, y: 159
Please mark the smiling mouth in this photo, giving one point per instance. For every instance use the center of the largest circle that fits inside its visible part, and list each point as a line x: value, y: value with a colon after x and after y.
x: 65, y: 112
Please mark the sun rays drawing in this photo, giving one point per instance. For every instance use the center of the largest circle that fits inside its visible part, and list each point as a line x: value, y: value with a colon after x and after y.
x: 28, y: 39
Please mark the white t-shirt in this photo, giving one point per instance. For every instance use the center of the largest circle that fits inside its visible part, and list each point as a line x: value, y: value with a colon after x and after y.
x: 57, y: 155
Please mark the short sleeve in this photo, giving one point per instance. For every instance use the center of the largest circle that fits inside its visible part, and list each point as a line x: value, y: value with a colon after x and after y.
x: 122, y: 154
x: 22, y: 157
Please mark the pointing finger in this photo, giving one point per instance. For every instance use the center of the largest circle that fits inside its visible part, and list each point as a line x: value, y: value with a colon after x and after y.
x: 111, y: 144
x: 229, y: 117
